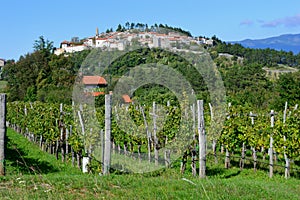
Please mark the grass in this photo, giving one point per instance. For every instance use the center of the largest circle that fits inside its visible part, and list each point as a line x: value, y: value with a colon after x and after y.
x: 23, y: 157
x: 33, y: 174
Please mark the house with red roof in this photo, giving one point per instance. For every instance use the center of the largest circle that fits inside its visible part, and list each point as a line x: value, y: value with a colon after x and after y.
x: 101, y: 42
x: 70, y: 47
x: 94, y: 85
x: 92, y: 82
x: 64, y: 44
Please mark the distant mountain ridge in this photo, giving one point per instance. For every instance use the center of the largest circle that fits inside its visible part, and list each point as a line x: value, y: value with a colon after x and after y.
x: 286, y: 42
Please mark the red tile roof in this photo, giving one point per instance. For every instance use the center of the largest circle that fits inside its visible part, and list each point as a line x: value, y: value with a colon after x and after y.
x: 94, y: 80
x: 173, y: 38
x: 160, y: 34
x: 101, y: 39
x: 65, y: 42
x: 94, y: 94
x: 126, y: 98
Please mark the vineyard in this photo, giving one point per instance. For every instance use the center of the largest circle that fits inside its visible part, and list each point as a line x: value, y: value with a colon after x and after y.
x: 145, y: 138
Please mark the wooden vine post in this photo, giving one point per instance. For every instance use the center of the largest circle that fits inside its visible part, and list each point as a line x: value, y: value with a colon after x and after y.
x: 214, y: 142
x: 227, y: 154
x: 193, y: 152
x: 202, y: 140
x: 61, y: 133
x: 242, y: 160
x: 72, y: 150
x: 107, y: 136
x: 83, y: 134
x: 271, y: 145
x: 193, y: 110
x: 2, y: 133
x: 167, y: 151
x: 102, y: 148
x: 148, y: 134
x: 67, y: 144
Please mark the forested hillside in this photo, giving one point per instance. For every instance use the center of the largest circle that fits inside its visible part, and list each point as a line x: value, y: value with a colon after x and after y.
x: 46, y: 77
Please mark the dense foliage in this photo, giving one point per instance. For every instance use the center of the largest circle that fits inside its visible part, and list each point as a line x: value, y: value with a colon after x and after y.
x: 42, y: 75
x: 268, y: 57
x: 161, y: 28
x: 238, y: 129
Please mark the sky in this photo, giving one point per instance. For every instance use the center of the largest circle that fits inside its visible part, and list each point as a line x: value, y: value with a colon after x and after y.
x: 22, y: 22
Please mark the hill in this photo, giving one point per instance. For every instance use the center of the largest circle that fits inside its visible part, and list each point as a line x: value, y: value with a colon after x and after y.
x: 287, y: 42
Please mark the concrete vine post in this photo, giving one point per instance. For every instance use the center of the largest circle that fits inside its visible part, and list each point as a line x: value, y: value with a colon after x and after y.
x: 271, y: 163
x: 107, y: 136
x: 202, y: 140
x: 154, y: 135
x: 253, y: 148
x: 2, y: 132
x: 287, y: 160
x: 83, y: 134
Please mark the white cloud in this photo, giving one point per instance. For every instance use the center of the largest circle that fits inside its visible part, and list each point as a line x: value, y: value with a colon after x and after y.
x: 246, y: 22
x: 292, y: 21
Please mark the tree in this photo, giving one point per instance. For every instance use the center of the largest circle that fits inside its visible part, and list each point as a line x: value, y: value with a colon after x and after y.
x: 288, y: 87
x: 127, y: 25
x: 132, y: 26
x: 42, y: 75
x: 120, y: 28
x: 43, y: 45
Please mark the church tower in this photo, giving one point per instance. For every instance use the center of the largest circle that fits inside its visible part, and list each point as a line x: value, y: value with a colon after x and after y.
x: 97, y: 32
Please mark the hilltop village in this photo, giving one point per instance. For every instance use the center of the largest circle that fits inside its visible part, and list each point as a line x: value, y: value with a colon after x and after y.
x: 119, y: 40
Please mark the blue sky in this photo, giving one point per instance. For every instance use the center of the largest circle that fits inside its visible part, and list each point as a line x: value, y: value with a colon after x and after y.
x: 22, y: 22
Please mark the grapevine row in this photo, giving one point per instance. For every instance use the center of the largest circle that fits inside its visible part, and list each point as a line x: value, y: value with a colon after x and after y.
x: 49, y: 124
